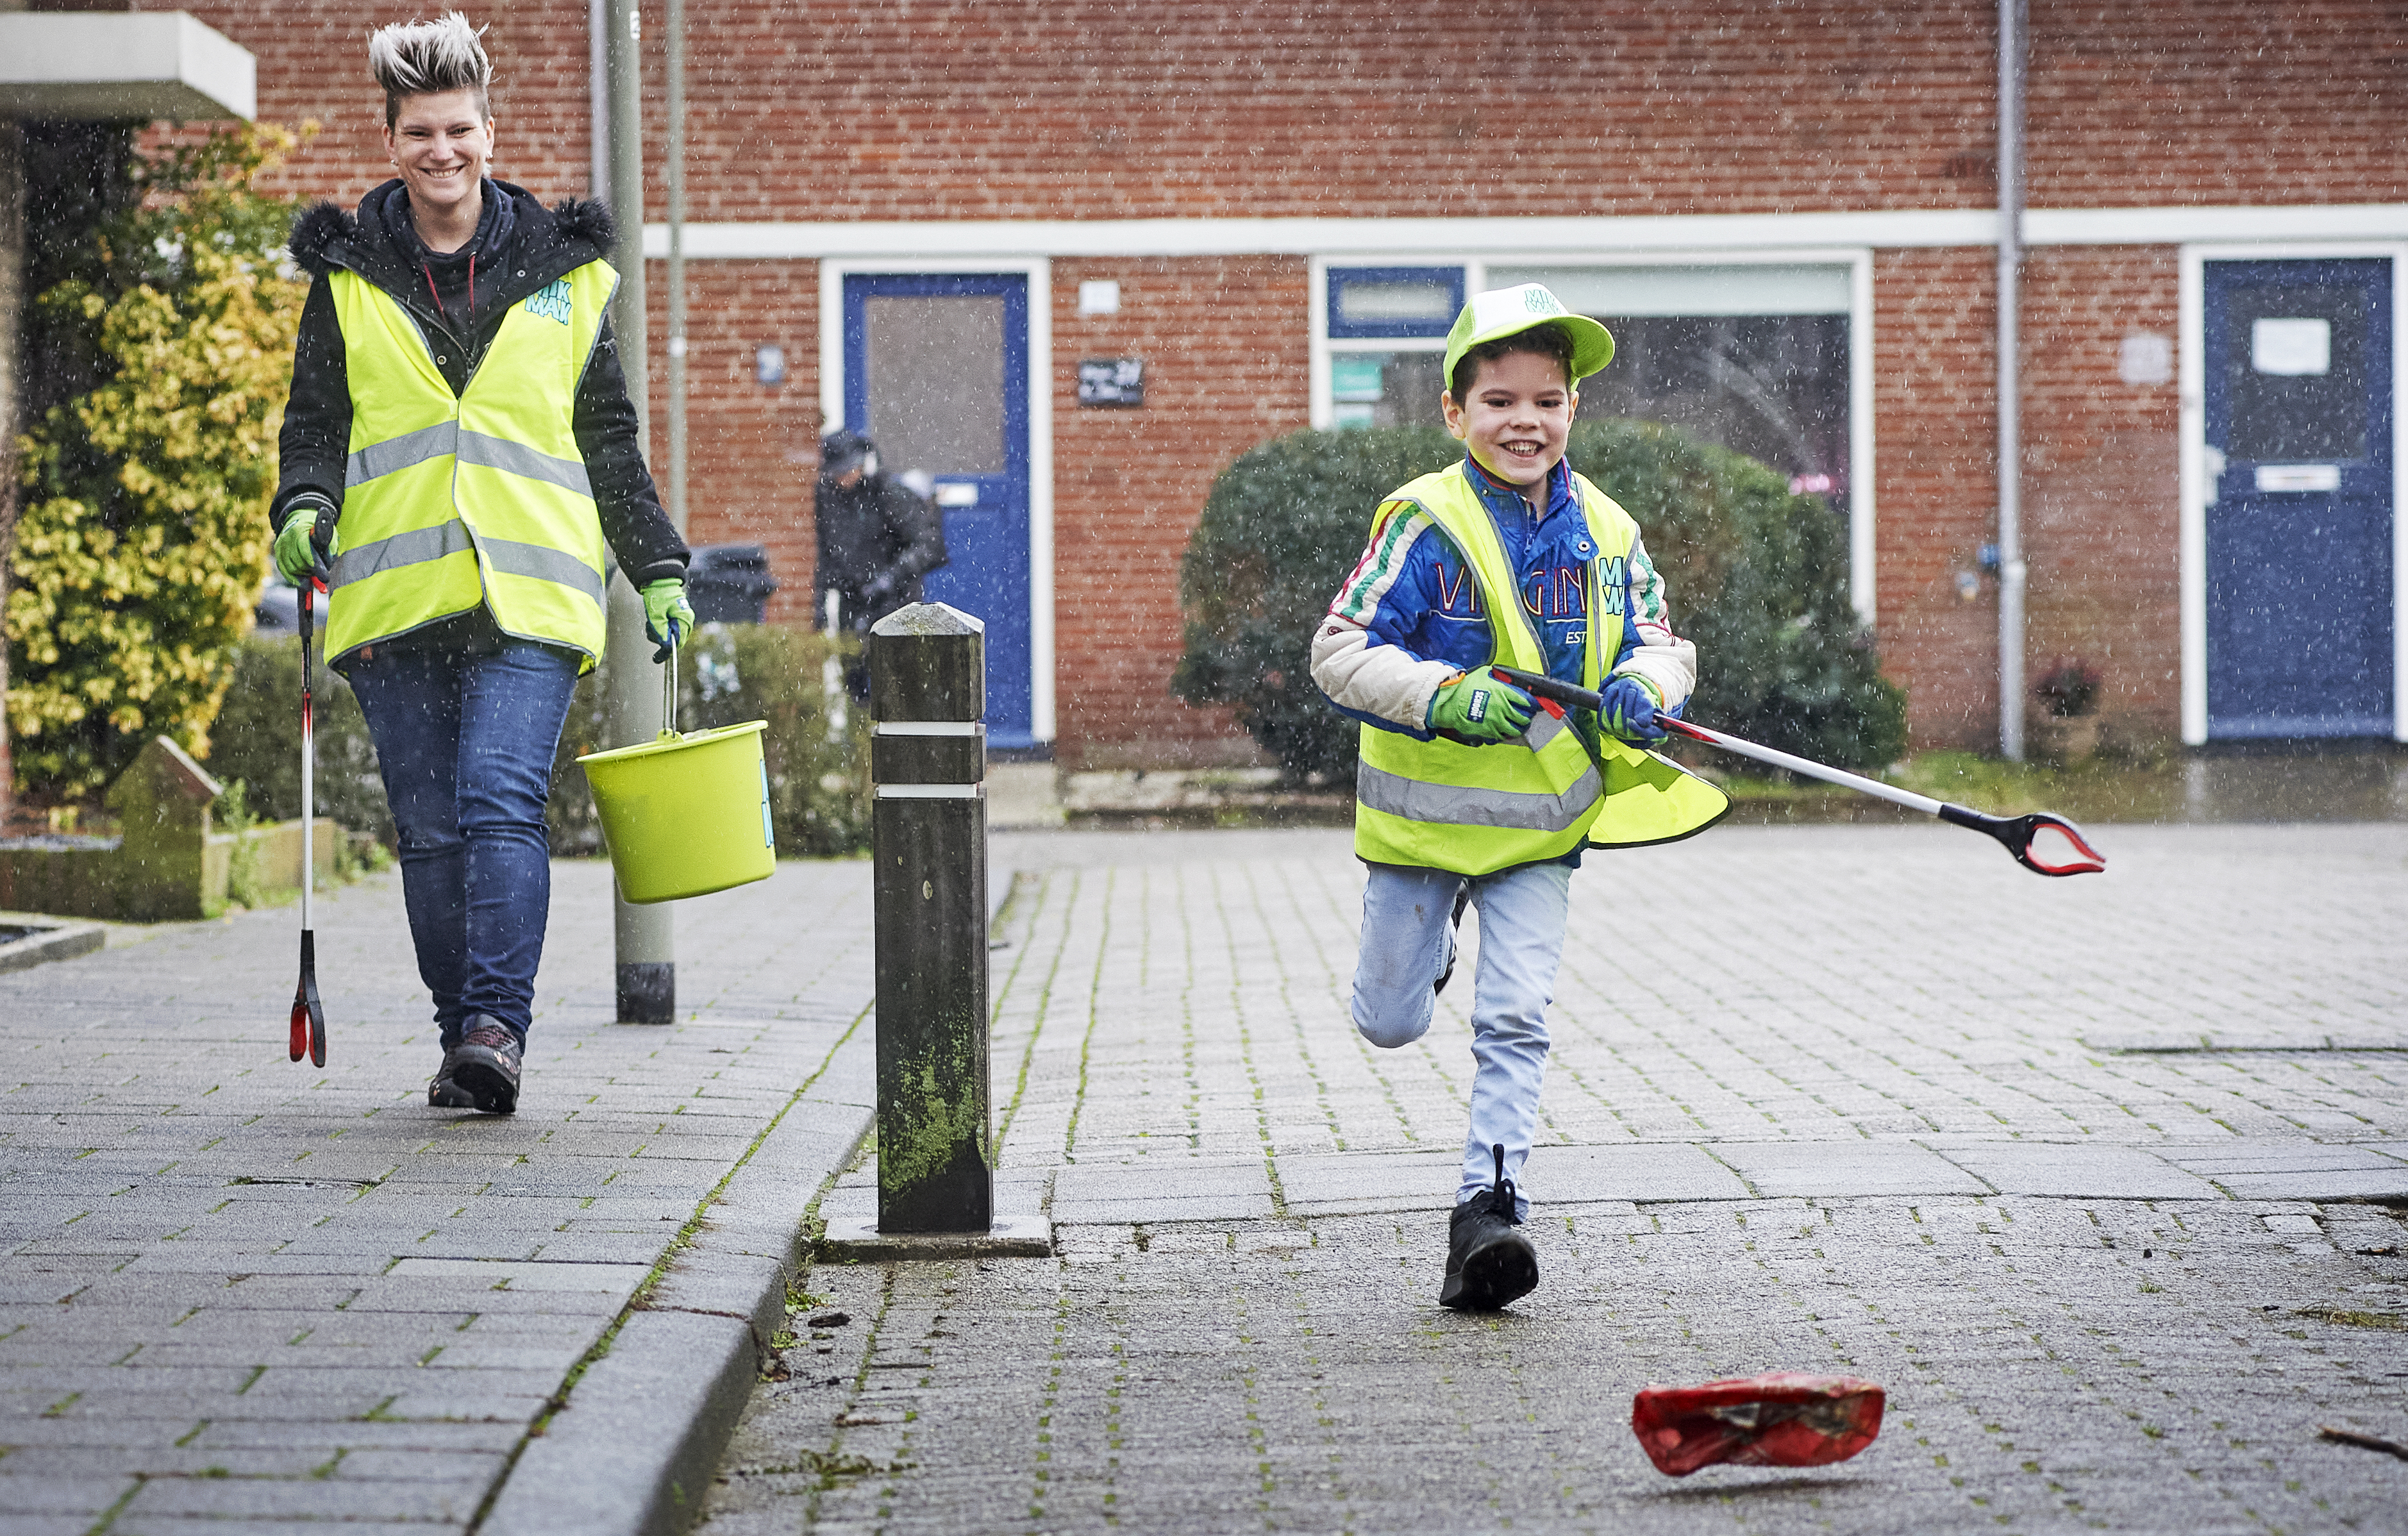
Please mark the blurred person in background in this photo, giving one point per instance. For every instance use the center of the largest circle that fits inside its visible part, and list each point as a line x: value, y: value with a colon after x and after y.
x: 459, y: 463
x: 877, y: 536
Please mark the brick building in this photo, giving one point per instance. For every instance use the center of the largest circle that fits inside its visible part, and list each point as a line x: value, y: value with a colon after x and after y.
x: 936, y: 213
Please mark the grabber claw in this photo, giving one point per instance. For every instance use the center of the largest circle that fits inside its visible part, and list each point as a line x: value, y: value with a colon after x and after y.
x: 308, y: 1016
x: 2042, y: 841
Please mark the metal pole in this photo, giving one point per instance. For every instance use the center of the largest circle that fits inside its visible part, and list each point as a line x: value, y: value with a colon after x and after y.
x: 12, y: 277
x: 597, y: 97
x: 927, y: 752
x: 2011, y: 21
x: 647, y: 954
x: 677, y: 263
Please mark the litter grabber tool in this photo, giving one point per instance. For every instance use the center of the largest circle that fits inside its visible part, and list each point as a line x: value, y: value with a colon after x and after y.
x: 2042, y: 841
x: 1782, y: 1420
x: 309, y: 1014
x: 685, y: 813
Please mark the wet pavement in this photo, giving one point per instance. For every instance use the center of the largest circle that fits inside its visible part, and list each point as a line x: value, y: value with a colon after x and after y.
x: 237, y: 1293
x: 2103, y: 1179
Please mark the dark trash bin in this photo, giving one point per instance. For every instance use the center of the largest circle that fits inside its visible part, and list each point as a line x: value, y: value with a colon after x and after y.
x: 729, y: 584
x: 279, y: 609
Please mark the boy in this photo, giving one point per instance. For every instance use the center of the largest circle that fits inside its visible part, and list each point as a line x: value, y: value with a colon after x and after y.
x: 1469, y: 791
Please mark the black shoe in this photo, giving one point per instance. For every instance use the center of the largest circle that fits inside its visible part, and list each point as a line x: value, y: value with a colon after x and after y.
x: 1489, y: 1264
x: 482, y: 1072
x: 1462, y: 899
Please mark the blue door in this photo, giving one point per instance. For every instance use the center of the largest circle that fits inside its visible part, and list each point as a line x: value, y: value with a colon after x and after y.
x: 2297, y: 362
x: 935, y: 372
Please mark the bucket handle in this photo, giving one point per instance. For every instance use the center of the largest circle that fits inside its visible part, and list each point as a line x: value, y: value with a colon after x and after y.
x: 668, y: 691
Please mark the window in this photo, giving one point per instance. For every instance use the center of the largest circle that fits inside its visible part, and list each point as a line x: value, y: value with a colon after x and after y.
x: 1388, y: 343
x: 1753, y: 357
x: 1393, y: 301
x: 1765, y: 352
x: 1386, y: 389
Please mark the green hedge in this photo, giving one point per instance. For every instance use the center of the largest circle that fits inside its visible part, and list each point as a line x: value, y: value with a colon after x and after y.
x: 256, y: 742
x: 818, y: 788
x: 1755, y: 576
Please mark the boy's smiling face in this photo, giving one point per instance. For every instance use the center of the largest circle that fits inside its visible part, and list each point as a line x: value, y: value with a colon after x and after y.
x: 1517, y: 418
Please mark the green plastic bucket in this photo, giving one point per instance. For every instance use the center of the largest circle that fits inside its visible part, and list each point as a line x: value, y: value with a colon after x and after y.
x: 685, y: 815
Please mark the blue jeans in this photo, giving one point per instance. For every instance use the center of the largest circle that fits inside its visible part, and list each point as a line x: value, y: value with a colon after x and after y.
x: 1522, y: 911
x: 465, y: 741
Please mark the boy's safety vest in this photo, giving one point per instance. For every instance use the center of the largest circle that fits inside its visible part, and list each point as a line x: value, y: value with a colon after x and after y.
x: 453, y: 500
x: 1439, y: 804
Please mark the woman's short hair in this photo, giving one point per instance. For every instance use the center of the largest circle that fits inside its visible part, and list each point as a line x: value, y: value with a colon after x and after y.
x: 428, y: 58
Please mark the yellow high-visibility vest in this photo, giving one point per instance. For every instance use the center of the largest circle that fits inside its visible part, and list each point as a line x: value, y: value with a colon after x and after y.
x: 450, y: 501
x: 1443, y: 805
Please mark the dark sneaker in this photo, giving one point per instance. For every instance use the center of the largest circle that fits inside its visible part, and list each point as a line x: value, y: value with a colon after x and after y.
x: 482, y: 1072
x: 1462, y: 899
x: 1489, y: 1263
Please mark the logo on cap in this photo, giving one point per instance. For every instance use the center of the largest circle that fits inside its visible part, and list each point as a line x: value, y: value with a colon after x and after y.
x: 1541, y: 302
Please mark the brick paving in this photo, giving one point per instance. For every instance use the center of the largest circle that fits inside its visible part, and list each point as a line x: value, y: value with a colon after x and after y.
x: 237, y: 1289
x: 2092, y: 1174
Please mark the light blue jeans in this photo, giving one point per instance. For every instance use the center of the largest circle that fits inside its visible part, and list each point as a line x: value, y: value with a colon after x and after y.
x: 1405, y: 914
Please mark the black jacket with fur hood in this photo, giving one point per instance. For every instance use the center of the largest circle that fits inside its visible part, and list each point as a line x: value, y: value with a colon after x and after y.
x: 537, y: 246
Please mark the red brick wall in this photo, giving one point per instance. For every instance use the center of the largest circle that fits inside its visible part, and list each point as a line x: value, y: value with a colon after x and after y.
x: 2100, y: 507
x: 1093, y: 108
x: 1225, y: 354
x: 313, y: 65
x: 1935, y: 492
x: 752, y: 450
x: 2218, y: 101
x: 1226, y: 357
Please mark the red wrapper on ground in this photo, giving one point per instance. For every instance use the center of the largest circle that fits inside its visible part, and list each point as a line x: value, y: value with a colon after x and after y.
x: 1782, y: 1419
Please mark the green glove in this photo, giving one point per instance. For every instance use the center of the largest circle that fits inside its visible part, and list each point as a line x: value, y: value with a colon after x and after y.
x: 1478, y: 707
x: 298, y: 555
x: 669, y: 618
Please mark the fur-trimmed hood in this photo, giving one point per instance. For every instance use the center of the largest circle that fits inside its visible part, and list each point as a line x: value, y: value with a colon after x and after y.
x: 318, y: 227
x: 545, y: 242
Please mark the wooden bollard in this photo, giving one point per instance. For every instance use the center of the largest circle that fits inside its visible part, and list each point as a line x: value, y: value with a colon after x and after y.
x: 927, y: 755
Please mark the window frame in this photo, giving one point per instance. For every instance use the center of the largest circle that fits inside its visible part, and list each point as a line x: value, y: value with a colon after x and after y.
x: 2190, y: 373
x: 1863, y: 585
x: 1333, y: 278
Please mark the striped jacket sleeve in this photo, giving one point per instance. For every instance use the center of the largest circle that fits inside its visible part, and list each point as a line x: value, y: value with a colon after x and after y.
x: 1663, y: 662
x: 1369, y: 677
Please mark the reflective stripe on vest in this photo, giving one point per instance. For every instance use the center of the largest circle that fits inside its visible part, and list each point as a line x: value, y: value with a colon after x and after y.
x: 449, y: 439
x: 1474, y: 810
x: 481, y: 498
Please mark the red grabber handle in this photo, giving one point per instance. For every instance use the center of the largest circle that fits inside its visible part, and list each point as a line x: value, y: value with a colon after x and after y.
x: 308, y: 1020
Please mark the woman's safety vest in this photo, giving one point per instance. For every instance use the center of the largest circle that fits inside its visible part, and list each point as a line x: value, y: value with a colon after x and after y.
x: 453, y: 500
x: 1443, y: 805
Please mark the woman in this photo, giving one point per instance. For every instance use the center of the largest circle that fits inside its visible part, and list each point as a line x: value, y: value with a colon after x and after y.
x: 458, y: 451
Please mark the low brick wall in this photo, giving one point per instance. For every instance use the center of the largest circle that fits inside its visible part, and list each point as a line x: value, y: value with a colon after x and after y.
x: 108, y: 881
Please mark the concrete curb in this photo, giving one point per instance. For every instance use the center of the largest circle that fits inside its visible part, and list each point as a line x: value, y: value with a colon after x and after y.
x: 640, y: 1439
x: 634, y: 1452
x: 52, y: 941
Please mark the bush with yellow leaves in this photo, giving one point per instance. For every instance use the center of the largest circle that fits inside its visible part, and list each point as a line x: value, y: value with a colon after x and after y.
x: 144, y: 536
